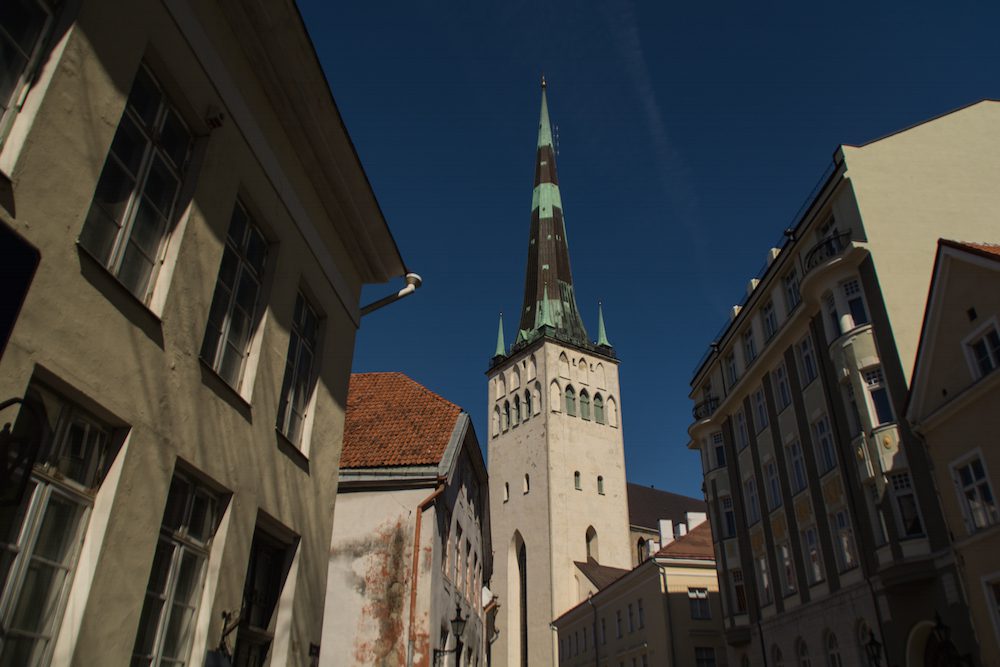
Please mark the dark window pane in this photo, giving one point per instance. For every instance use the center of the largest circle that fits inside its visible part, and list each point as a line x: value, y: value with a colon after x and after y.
x: 144, y: 98
x: 11, y: 65
x: 129, y: 145
x: 175, y: 139
x: 147, y: 230
x: 161, y: 186
x: 22, y: 21
x: 135, y: 271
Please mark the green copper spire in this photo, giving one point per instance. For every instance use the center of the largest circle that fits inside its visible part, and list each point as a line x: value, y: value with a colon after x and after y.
x: 501, y: 348
x: 602, y: 335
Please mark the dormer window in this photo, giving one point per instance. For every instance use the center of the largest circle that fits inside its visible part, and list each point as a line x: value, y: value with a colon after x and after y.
x: 985, y: 352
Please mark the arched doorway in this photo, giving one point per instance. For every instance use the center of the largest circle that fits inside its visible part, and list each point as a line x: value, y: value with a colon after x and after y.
x: 517, y: 595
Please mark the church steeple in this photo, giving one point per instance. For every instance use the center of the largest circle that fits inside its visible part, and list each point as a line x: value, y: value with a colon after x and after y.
x: 549, y: 300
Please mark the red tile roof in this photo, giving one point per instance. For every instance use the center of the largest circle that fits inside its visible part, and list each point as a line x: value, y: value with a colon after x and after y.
x: 990, y: 250
x: 393, y: 420
x: 697, y: 544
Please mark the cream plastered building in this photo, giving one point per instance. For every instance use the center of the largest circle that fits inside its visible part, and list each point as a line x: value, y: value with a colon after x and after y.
x: 955, y: 406
x: 556, y: 459
x: 203, y: 229
x: 665, y: 612
x: 828, y: 529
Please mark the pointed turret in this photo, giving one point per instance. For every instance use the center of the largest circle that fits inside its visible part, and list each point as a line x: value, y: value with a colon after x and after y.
x: 548, y: 284
x: 602, y: 335
x: 501, y: 348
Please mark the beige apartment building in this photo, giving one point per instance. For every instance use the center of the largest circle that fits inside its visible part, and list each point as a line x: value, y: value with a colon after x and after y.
x: 411, y: 548
x: 665, y: 612
x: 828, y: 531
x: 201, y: 228
x: 954, y: 406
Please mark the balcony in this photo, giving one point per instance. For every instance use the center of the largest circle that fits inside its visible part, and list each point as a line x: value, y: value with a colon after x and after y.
x: 705, y: 409
x: 827, y: 249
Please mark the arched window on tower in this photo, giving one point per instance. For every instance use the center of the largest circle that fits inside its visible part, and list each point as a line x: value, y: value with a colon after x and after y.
x: 515, y: 379
x: 598, y: 409
x: 564, y: 365
x: 600, y: 485
x: 496, y: 421
x: 582, y: 371
x: 555, y: 396
x: 517, y: 409
x: 640, y: 550
x: 576, y: 480
x: 592, y: 543
x: 612, y: 410
x: 602, y: 380
x: 506, y: 491
x: 527, y: 405
x: 537, y: 399
x: 570, y: 401
x: 527, y: 484
x: 506, y: 415
x: 584, y: 405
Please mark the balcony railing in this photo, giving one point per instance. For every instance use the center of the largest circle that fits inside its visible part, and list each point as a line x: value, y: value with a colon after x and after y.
x: 705, y: 409
x: 826, y: 249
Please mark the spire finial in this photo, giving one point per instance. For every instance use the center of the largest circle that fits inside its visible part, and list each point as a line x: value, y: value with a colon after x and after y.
x: 543, y: 81
x: 602, y: 335
x: 501, y: 348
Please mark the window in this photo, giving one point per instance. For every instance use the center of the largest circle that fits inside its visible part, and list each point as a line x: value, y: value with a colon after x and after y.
x: 825, y: 454
x: 784, y: 394
x: 234, y: 312
x: 739, y: 591
x: 749, y: 346
x: 830, y: 304
x: 719, y: 448
x: 833, y: 651
x: 787, y: 569
x: 584, y: 405
x: 41, y: 535
x: 760, y: 409
x: 728, y: 517
x: 297, y: 385
x: 576, y: 481
x: 22, y: 25
x: 446, y: 544
x: 527, y: 405
x: 600, y: 485
x: 976, y: 495
x: 134, y: 204
x: 853, y: 415
x: 753, y: 506
x: 792, y: 295
x: 843, y: 538
x: 808, y: 360
x: 631, y: 619
x: 166, y: 624
x: 796, y: 466
x: 777, y: 659
x: 770, y: 320
x: 698, y: 600
x: 506, y: 491
x: 766, y: 595
x: 266, y: 571
x: 814, y: 562
x: 517, y: 410
x: 907, y: 512
x: 457, y: 557
x: 642, y: 613
x: 704, y: 656
x: 802, y: 653
x: 570, y: 402
x: 742, y: 436
x: 730, y: 365
x: 598, y: 409
x: 526, y: 486
x: 875, y: 380
x: 985, y: 351
x: 773, y: 485
x: 618, y: 623
x: 855, y: 302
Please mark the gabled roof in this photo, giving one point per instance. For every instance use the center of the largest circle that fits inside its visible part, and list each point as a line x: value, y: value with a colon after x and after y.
x: 393, y: 420
x: 697, y: 545
x: 601, y: 576
x: 646, y: 506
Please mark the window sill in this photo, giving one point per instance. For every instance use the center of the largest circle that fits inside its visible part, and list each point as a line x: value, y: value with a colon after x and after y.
x: 227, y: 392
x: 291, y: 450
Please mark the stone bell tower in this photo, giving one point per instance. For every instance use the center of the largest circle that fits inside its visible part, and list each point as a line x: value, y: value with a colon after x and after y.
x: 556, y: 457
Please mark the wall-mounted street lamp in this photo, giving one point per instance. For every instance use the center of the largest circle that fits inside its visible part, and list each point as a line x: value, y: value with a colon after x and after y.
x: 457, y: 628
x: 874, y: 650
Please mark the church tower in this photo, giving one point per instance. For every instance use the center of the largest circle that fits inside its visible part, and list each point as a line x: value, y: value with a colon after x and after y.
x: 556, y: 457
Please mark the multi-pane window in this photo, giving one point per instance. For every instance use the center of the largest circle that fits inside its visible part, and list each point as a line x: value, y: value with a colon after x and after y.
x: 166, y: 624
x: 807, y: 357
x: 823, y: 438
x: 134, y: 204
x: 985, y: 352
x: 698, y: 600
x: 570, y: 402
x: 773, y: 485
x: 907, y: 511
x: 764, y: 579
x: 576, y: 481
x: 855, y: 302
x: 882, y: 407
x: 976, y: 495
x: 584, y: 405
x: 40, y: 535
x: 618, y: 623
x: 791, y: 284
x: 843, y: 540
x: 296, y: 387
x: 796, y: 466
x: 760, y: 410
x: 232, y: 317
x: 731, y: 372
x: 753, y: 505
x: 728, y: 517
x: 749, y: 346
x: 814, y: 561
x: 266, y: 571
x: 739, y: 591
x: 787, y: 569
x: 22, y: 25
x: 631, y: 618
x: 642, y: 613
x: 784, y: 394
x: 770, y: 320
x: 704, y: 656
x: 719, y: 449
x: 742, y: 435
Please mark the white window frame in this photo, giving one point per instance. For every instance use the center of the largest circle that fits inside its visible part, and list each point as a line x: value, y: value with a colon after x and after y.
x: 749, y: 346
x: 760, y: 409
x: 826, y: 452
x: 791, y: 284
x: 718, y: 445
x: 784, y: 393
x: 698, y: 603
x: 742, y: 433
x: 291, y: 379
x: 844, y: 543
x: 991, y: 519
x: 769, y: 319
x: 813, y: 555
x: 902, y: 487
x: 33, y: 58
x: 874, y: 378
x: 853, y: 294
x: 753, y: 512
x: 980, y: 334
x: 807, y: 357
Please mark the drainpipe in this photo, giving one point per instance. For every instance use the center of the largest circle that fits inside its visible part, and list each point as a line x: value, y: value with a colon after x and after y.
x: 421, y: 508
x: 666, y: 605
x: 413, y: 281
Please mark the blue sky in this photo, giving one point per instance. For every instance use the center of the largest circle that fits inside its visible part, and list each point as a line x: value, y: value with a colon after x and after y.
x: 689, y: 135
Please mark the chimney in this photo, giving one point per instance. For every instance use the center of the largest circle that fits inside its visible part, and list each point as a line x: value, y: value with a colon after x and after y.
x: 696, y: 519
x: 666, y: 532
x: 682, y: 530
